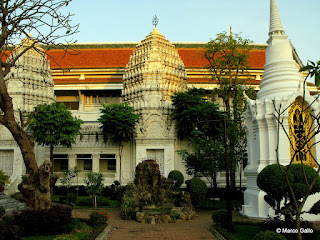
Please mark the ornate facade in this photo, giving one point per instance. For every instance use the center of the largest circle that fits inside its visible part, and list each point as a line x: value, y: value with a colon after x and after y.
x: 281, y: 91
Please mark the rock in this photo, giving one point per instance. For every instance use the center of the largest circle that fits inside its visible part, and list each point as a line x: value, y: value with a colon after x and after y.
x: 140, y: 216
x: 184, y: 217
x: 151, y: 220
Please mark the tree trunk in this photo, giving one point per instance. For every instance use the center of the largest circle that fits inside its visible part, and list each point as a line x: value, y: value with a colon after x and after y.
x: 51, y: 159
x: 36, y: 188
x: 298, y: 225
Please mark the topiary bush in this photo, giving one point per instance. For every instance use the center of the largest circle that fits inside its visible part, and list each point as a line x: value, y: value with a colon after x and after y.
x: 268, y: 235
x: 197, y: 189
x: 219, y: 217
x: 49, y: 221
x: 177, y: 178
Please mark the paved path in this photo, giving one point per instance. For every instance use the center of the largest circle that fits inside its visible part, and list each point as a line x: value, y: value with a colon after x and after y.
x: 131, y: 230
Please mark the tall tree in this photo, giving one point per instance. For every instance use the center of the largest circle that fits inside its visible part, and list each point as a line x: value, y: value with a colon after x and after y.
x: 191, y: 110
x: 52, y: 125
x: 228, y: 57
x: 194, y: 111
x: 43, y: 18
x: 118, y: 125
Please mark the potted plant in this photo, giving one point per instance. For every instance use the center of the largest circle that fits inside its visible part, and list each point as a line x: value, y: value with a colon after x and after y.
x: 4, y: 179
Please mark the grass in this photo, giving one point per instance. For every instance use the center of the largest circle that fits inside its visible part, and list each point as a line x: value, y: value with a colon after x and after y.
x: 81, y: 230
x: 86, y: 201
x: 218, y: 204
x: 244, y: 232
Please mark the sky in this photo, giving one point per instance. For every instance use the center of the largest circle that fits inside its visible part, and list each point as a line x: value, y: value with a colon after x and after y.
x: 197, y: 21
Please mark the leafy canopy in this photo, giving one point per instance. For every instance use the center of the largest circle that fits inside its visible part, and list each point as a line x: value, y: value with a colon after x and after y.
x: 52, y: 125
x: 191, y: 110
x: 118, y: 122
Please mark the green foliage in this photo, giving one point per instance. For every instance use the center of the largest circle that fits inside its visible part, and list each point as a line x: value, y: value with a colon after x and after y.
x: 272, y: 180
x: 314, y: 71
x: 191, y: 107
x: 71, y: 198
x: 219, y: 217
x: 66, y: 237
x: 269, y: 235
x: 177, y: 178
x: 68, y: 176
x: 7, y: 228
x: 94, y: 183
x: 129, y: 207
x: 4, y: 178
x: 98, y: 218
x: 118, y: 122
x: 197, y: 189
x: 52, y: 125
x: 36, y: 222
x: 205, y: 159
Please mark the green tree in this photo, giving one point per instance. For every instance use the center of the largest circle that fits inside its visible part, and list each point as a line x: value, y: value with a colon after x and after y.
x: 94, y: 185
x: 191, y: 111
x: 45, y: 20
x: 228, y: 57
x: 205, y: 160
x: 53, y: 125
x: 118, y: 124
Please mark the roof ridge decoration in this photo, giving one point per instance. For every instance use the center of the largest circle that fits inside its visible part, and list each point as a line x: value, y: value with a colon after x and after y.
x: 281, y: 75
x: 275, y: 21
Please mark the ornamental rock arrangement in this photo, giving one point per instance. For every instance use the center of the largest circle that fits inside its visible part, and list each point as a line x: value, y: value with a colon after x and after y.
x: 153, y: 198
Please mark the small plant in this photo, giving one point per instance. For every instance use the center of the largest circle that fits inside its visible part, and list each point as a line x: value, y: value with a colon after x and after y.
x: 269, y: 235
x: 177, y: 178
x: 197, y: 189
x: 98, y: 218
x: 4, y: 179
x: 94, y: 182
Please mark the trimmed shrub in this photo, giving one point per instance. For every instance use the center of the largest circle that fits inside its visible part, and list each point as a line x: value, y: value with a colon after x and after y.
x: 84, y: 202
x: 7, y: 228
x: 177, y: 178
x: 268, y: 235
x: 49, y: 221
x: 98, y: 218
x: 197, y: 189
x: 219, y: 217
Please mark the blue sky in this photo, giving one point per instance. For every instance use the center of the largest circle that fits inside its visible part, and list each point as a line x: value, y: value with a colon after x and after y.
x: 197, y: 20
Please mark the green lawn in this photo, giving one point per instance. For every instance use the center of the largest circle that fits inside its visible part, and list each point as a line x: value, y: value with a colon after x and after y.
x: 244, y: 232
x: 86, y: 201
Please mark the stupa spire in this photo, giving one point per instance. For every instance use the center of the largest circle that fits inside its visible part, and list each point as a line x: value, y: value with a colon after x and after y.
x: 275, y: 21
x: 281, y: 73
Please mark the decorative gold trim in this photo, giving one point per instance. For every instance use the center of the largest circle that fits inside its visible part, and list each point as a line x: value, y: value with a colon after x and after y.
x: 300, y: 132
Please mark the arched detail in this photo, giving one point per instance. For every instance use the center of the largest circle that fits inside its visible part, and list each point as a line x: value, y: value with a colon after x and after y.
x: 300, y: 133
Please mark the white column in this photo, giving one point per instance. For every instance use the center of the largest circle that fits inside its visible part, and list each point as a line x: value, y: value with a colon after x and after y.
x: 72, y: 161
x: 95, y: 163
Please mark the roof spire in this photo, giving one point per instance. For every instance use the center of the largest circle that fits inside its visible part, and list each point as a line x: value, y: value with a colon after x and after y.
x: 155, y: 21
x: 275, y: 21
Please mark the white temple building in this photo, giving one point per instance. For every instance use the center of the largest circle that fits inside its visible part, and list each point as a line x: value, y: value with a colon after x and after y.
x: 281, y: 88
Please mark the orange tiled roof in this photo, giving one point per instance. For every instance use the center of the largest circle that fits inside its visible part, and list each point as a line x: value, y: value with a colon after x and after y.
x: 119, y: 57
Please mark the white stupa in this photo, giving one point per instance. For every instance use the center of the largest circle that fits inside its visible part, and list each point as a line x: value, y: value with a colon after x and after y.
x: 281, y: 87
